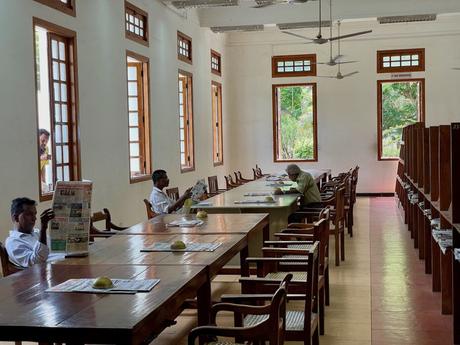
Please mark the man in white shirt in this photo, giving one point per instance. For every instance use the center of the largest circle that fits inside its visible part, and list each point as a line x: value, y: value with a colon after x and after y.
x: 161, y: 203
x: 26, y: 246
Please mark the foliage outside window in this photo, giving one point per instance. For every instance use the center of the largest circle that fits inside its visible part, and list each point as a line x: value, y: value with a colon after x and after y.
x: 55, y: 65
x: 294, y: 122
x: 136, y: 24
x: 401, y: 60
x: 138, y: 117
x: 66, y: 6
x: 401, y: 103
x: 186, y: 139
x: 184, y: 47
x: 294, y: 65
x: 217, y: 146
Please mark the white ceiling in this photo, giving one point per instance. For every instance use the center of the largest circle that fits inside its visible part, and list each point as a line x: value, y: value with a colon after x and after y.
x: 244, y: 14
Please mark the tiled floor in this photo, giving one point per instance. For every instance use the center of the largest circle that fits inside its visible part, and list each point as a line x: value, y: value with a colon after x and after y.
x: 379, y: 295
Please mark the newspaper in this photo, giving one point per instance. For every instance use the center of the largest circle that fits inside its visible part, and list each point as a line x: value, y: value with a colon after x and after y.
x: 457, y: 254
x: 255, y: 201
x: 257, y: 194
x: 69, y: 230
x: 198, y: 190
x: 183, y: 223
x: 190, y: 247
x: 119, y: 286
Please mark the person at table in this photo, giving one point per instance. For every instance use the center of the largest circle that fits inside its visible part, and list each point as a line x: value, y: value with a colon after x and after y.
x: 43, y: 138
x: 306, y: 186
x: 26, y: 245
x: 161, y: 202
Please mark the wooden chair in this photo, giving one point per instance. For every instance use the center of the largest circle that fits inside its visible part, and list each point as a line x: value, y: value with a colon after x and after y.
x: 7, y: 267
x: 239, y: 178
x: 173, y: 193
x: 259, y: 172
x: 318, y: 231
x: 214, y: 186
x: 109, y: 228
x: 271, y: 327
x: 301, y: 325
x: 149, y: 210
x: 229, y: 184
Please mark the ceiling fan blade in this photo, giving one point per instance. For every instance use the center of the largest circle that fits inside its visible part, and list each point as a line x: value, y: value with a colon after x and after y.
x: 456, y: 68
x: 350, y: 35
x: 327, y: 76
x: 263, y: 5
x: 350, y: 74
x: 342, y: 62
x: 296, y: 35
x: 337, y: 57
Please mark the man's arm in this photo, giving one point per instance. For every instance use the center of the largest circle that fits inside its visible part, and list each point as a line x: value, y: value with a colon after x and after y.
x: 180, y: 202
x: 21, y: 254
x: 45, y: 217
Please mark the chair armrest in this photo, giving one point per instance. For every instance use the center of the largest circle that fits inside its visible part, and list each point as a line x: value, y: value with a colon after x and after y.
x: 247, y: 298
x: 272, y: 259
x: 304, y: 226
x: 289, y: 235
x: 116, y: 227
x: 288, y: 242
x: 238, y: 309
x: 231, y: 332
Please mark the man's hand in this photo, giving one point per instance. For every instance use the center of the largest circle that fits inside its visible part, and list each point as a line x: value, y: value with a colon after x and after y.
x: 187, y: 193
x: 46, y: 216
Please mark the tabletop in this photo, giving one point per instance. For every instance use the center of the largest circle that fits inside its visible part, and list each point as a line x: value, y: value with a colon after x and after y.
x: 30, y: 313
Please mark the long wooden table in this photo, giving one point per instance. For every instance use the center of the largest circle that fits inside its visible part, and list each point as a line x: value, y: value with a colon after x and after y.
x: 29, y: 313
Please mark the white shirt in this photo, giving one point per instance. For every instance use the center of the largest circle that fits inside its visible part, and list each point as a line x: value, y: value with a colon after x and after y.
x: 25, y: 250
x: 160, y: 201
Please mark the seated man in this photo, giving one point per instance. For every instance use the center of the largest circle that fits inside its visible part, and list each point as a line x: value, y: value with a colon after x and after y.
x: 27, y: 246
x: 162, y: 203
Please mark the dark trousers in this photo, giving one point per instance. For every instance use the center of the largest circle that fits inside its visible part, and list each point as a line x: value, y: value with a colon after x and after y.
x: 298, y: 218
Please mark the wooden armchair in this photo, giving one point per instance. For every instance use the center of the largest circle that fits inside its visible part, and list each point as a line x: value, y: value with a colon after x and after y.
x: 318, y: 231
x: 149, y: 210
x: 239, y: 178
x: 229, y: 184
x: 301, y: 325
x: 173, y: 193
x: 7, y: 267
x: 271, y: 326
x: 109, y: 228
x: 213, y: 186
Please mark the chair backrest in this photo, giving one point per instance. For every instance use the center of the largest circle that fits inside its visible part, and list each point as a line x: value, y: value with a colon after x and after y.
x: 340, y: 203
x: 7, y: 267
x: 277, y: 318
x: 256, y: 175
x: 149, y: 210
x: 173, y: 193
x: 105, y: 216
x: 229, y: 184
x: 237, y: 179
x: 213, y: 185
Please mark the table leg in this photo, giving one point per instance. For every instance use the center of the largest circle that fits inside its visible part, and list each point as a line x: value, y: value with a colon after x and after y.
x: 243, y: 264
x: 204, y: 307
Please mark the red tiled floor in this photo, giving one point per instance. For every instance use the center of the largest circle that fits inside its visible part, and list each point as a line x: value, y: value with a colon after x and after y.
x: 404, y: 309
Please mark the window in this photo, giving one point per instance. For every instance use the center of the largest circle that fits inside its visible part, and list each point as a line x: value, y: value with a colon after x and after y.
x: 217, y: 141
x: 138, y: 117
x: 184, y: 47
x: 66, y: 6
x: 56, y: 90
x: 136, y: 24
x: 400, y: 103
x: 216, y: 63
x: 403, y: 60
x: 294, y: 65
x: 187, y: 160
x: 294, y: 122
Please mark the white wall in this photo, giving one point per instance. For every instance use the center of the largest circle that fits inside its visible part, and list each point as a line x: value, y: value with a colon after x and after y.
x: 347, y: 109
x: 101, y: 45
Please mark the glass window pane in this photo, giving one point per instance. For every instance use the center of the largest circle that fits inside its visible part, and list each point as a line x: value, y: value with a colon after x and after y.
x: 182, y: 158
x: 57, y: 134
x: 134, y: 150
x: 65, y: 153
x: 133, y: 119
x: 386, y: 64
x: 298, y: 63
x: 395, y: 58
x: 415, y: 57
x: 63, y: 72
x: 132, y: 88
x: 181, y: 122
x: 133, y: 134
x: 289, y: 69
x: 298, y: 68
x: 135, y: 165
x: 55, y: 70
x: 136, y: 30
x: 64, y: 92
x: 64, y: 113
x: 132, y: 73
x: 405, y: 57
x: 57, y: 113
x: 54, y: 49
x: 65, y: 134
x: 182, y: 146
x: 141, y: 32
x: 405, y: 63
x: 280, y: 69
x: 415, y: 63
x: 141, y: 23
x: 132, y: 103
x: 56, y: 92
x: 58, y: 154
x: 61, y: 51
x: 66, y: 173
x: 289, y: 63
x: 136, y: 21
x: 386, y: 58
x: 59, y: 173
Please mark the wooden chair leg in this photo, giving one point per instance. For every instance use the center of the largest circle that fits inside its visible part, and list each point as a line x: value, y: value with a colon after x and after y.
x: 436, y: 266
x: 446, y: 282
x: 321, y: 310
x: 427, y: 242
x: 342, y: 244
x: 337, y: 247
x: 326, y: 286
x: 421, y: 234
x: 314, y: 339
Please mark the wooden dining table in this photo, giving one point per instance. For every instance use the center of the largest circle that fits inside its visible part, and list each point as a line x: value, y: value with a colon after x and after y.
x: 29, y: 313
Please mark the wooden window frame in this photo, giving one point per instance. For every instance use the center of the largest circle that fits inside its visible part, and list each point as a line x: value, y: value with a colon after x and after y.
x: 302, y: 57
x: 144, y: 129
x: 60, y: 6
x: 184, y: 37
x: 415, y: 51
x: 217, y: 119
x: 217, y: 56
x: 144, y: 40
x: 189, y: 133
x: 73, y: 105
x: 379, y: 111
x: 275, y: 123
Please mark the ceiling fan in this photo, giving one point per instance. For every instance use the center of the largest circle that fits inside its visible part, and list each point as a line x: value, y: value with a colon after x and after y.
x: 266, y: 3
x: 319, y: 38
x: 333, y: 60
x: 336, y: 60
